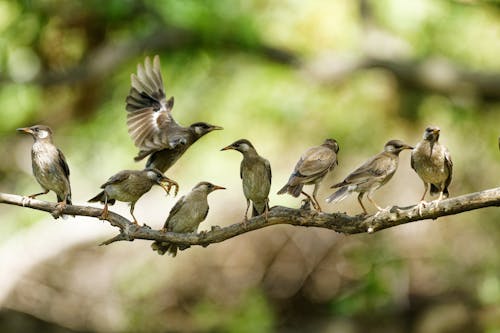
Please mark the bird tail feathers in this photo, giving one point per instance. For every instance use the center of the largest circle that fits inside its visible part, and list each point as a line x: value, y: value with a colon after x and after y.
x: 101, y: 197
x: 293, y: 190
x: 339, y: 195
x: 259, y: 209
x: 169, y: 248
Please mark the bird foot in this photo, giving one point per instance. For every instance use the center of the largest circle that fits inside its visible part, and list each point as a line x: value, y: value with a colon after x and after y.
x: 423, y: 204
x: 382, y: 211
x: 57, y: 212
x: 169, y: 184
x: 26, y: 201
x: 306, y: 204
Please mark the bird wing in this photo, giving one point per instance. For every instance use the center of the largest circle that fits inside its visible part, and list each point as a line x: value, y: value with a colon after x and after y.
x: 373, y: 168
x: 315, y: 160
x: 63, y: 163
x: 268, y: 169
x: 175, y: 210
x: 117, y: 178
x: 448, y: 165
x: 149, y: 112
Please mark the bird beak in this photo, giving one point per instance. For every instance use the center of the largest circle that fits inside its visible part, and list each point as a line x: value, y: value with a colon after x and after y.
x: 218, y: 188
x: 408, y: 147
x: 436, y: 131
x: 25, y: 130
x: 227, y: 148
x: 216, y: 128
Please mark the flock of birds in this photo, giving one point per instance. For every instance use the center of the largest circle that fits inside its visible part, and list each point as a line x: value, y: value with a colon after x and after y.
x: 163, y: 141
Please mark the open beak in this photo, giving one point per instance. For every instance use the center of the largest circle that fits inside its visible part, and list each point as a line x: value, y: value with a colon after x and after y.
x: 227, y: 148
x: 25, y: 130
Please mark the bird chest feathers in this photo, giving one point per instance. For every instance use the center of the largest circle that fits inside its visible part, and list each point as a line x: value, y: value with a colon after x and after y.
x: 430, y: 167
x: 45, y: 165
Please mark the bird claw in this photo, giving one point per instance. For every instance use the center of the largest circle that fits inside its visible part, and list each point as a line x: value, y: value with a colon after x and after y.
x: 306, y: 204
x: 171, y: 183
x: 421, y: 205
x: 26, y: 201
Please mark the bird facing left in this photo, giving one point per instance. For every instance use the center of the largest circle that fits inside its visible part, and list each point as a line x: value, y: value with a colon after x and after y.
x: 49, y: 165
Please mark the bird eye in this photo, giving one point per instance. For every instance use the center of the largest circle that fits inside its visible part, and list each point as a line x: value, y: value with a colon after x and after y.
x: 36, y: 129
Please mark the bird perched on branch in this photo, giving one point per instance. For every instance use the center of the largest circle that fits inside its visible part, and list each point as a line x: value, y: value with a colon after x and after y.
x: 432, y: 162
x: 49, y: 166
x: 150, y: 123
x: 186, y: 215
x: 374, y: 173
x: 312, y: 167
x: 255, y: 173
x: 129, y: 186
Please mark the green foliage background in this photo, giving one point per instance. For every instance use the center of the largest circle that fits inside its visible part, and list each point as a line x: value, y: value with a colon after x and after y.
x: 285, y: 75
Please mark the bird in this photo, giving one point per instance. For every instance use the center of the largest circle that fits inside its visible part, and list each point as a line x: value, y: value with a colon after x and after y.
x: 186, y: 215
x: 49, y: 166
x: 129, y: 186
x: 255, y: 173
x: 311, y: 168
x: 374, y: 173
x: 151, y: 124
x: 432, y: 162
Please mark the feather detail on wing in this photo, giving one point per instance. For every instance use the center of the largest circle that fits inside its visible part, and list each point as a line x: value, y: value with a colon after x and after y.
x: 149, y: 112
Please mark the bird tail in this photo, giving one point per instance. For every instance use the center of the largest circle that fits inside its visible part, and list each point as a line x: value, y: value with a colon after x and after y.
x: 339, y: 195
x: 293, y: 190
x: 141, y: 155
x: 169, y: 248
x: 101, y: 197
x: 259, y: 209
x: 437, y: 189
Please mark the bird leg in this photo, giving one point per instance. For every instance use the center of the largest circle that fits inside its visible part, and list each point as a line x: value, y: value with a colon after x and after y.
x: 425, y: 191
x: 315, y: 191
x: 310, y: 199
x: 266, y: 209
x: 104, y: 214
x: 360, y: 197
x: 132, y: 205
x: 245, y: 218
x: 33, y: 196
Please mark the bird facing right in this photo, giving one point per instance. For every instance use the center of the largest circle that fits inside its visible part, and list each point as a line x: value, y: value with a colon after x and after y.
x: 186, y: 215
x: 312, y: 167
x: 255, y: 173
x: 151, y: 124
x: 129, y: 186
x: 432, y: 162
x: 371, y: 175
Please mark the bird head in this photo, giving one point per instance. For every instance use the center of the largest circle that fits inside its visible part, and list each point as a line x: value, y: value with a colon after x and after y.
x: 242, y: 145
x: 208, y: 187
x: 396, y: 146
x: 332, y: 144
x: 201, y: 128
x: 39, y: 132
x: 431, y: 134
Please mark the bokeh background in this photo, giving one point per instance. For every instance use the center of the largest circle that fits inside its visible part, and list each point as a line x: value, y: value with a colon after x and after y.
x: 286, y: 75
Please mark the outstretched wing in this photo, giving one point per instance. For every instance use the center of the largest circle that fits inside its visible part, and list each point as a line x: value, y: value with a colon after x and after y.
x: 149, y: 112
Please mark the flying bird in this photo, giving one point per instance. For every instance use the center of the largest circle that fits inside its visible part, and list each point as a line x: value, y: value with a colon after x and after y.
x: 186, y: 215
x: 255, y: 173
x: 370, y: 176
x: 49, y: 166
x: 311, y: 168
x: 432, y: 162
x: 151, y: 124
x: 129, y: 186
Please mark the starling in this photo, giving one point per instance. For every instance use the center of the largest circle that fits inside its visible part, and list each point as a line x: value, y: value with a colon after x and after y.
x: 129, y: 186
x: 186, y: 215
x: 371, y: 175
x: 312, y: 167
x: 49, y: 166
x: 150, y: 123
x: 432, y: 162
x: 255, y: 173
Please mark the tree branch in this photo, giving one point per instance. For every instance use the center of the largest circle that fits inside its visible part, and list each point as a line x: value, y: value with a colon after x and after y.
x: 339, y: 222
